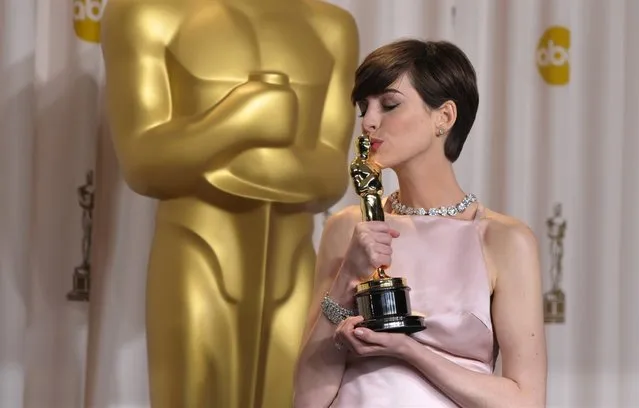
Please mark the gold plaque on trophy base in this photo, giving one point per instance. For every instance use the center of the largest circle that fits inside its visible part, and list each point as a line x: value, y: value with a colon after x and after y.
x: 554, y: 307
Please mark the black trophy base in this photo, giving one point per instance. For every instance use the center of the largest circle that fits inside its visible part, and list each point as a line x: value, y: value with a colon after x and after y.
x: 555, y: 306
x: 385, y: 306
x: 395, y: 324
x: 78, y: 296
x: 81, y: 285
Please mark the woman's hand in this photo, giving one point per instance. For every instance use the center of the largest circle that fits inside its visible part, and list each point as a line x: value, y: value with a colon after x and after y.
x: 365, y: 342
x: 369, y: 248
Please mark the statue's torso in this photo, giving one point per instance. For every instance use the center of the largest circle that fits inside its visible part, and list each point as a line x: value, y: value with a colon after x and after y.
x: 217, y: 46
x: 247, y: 266
x: 213, y: 50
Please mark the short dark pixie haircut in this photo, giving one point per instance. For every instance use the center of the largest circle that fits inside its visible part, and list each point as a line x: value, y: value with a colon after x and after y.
x: 439, y: 71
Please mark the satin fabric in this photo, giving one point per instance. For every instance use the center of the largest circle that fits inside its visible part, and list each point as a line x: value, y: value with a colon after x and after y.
x: 443, y: 262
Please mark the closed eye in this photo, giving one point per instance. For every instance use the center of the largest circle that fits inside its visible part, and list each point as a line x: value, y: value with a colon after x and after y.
x: 385, y: 108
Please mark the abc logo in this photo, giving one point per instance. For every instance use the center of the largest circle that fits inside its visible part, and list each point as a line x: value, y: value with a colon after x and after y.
x: 553, y: 56
x: 86, y: 16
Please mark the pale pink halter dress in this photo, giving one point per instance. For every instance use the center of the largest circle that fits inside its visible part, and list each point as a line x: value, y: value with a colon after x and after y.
x: 442, y: 260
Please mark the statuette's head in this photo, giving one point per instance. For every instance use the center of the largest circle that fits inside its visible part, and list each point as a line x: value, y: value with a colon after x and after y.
x: 363, y: 144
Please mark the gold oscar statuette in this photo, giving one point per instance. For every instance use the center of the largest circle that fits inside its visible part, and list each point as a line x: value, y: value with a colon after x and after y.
x: 235, y: 116
x: 555, y: 298
x: 82, y: 273
x: 382, y: 301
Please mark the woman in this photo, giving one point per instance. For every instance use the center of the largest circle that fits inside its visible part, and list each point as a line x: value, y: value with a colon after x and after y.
x: 474, y: 273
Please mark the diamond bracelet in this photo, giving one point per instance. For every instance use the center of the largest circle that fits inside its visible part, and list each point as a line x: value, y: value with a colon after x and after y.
x: 333, y: 311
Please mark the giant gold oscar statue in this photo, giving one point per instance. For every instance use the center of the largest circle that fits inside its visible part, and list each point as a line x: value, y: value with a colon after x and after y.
x: 236, y: 116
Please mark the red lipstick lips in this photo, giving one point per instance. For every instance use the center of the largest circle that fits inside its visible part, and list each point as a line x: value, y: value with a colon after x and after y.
x: 375, y: 143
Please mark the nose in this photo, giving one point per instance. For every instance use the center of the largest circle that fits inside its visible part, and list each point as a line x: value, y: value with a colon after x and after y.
x: 370, y: 123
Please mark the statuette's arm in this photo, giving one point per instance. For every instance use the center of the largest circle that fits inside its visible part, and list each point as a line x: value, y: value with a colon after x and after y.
x: 318, y: 170
x: 339, y: 32
x: 336, y: 130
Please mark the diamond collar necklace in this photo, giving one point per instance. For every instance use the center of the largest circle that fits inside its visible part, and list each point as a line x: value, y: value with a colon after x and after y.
x: 443, y: 211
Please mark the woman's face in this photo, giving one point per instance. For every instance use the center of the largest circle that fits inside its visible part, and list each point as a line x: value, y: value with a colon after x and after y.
x: 399, y: 123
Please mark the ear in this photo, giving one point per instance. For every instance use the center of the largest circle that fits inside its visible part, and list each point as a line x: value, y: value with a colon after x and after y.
x: 446, y: 117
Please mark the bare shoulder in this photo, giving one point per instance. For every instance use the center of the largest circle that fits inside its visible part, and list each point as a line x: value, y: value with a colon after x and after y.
x: 138, y: 20
x: 506, y: 230
x: 332, y: 16
x: 510, y: 246
x: 336, y: 26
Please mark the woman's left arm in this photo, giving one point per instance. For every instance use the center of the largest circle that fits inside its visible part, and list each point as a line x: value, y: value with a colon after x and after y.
x: 518, y: 320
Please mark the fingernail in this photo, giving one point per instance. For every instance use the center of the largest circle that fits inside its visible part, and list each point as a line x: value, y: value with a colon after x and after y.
x: 359, y: 332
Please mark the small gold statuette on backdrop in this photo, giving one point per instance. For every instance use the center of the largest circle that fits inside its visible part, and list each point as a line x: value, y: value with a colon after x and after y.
x: 383, y: 301
x: 82, y: 272
x: 555, y: 299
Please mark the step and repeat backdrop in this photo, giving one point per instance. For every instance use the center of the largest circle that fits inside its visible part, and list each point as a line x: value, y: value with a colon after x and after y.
x: 554, y: 144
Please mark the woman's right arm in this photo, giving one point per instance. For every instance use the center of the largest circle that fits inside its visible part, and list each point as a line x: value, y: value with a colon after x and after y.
x: 320, y: 365
x: 349, y: 251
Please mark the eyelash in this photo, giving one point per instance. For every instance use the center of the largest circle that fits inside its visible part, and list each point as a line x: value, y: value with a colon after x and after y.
x: 386, y: 108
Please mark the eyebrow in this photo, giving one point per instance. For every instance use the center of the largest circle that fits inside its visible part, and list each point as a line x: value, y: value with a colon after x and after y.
x: 385, y: 91
x: 390, y: 90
